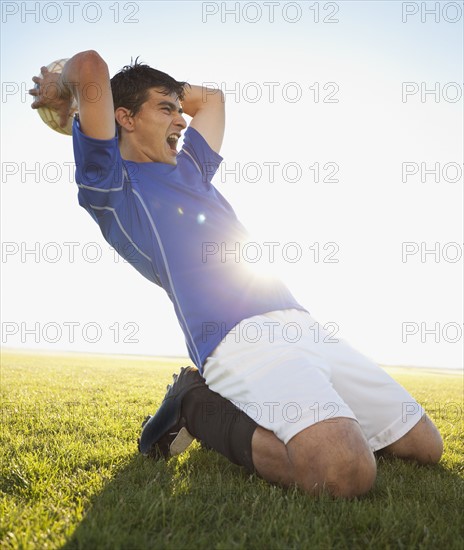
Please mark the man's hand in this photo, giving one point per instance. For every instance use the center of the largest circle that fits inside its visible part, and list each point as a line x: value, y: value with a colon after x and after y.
x: 51, y: 92
x: 85, y: 76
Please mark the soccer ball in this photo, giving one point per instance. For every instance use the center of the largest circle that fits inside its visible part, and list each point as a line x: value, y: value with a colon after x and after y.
x: 51, y: 117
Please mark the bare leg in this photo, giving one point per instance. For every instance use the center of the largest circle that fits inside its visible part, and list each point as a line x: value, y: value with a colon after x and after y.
x: 270, y: 458
x: 331, y: 454
x: 334, y: 454
x: 423, y: 443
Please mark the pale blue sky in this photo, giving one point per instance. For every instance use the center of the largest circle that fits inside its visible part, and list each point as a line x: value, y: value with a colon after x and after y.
x: 369, y: 133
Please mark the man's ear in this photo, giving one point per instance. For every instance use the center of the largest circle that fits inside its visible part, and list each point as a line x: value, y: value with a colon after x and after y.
x: 124, y: 119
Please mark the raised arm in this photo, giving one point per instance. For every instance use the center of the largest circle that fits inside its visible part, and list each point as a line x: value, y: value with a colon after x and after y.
x: 207, y: 109
x: 85, y: 76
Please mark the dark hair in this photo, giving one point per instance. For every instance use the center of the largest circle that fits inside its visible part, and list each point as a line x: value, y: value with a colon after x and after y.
x: 130, y: 86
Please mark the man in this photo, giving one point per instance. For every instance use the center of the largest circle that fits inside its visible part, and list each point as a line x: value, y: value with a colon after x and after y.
x: 321, y: 408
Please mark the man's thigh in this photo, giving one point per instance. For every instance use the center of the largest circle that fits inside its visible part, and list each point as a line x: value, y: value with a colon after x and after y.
x: 289, y: 386
x: 384, y: 409
x: 283, y: 387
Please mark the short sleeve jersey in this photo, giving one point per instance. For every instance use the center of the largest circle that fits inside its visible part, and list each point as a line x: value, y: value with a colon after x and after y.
x: 173, y: 226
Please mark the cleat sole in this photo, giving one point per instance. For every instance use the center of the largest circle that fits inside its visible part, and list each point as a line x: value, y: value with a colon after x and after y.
x: 182, y: 440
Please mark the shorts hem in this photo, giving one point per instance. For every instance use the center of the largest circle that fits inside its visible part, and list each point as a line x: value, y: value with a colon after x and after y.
x: 395, y: 431
x: 303, y: 423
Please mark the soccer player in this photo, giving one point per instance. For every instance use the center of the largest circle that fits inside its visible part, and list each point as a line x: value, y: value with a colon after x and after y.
x: 317, y: 408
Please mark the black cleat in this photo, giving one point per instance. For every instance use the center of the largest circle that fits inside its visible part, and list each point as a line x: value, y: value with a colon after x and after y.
x: 165, y: 433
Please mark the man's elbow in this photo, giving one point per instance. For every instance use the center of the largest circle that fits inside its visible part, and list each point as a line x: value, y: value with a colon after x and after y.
x: 90, y: 58
x: 213, y: 95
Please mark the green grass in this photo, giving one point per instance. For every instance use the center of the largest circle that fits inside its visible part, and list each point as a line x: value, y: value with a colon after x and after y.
x: 71, y: 476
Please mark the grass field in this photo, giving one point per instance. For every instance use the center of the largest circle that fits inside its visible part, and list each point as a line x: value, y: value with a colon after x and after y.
x: 71, y: 476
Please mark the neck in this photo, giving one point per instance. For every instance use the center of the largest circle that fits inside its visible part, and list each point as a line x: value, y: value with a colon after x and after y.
x: 129, y: 151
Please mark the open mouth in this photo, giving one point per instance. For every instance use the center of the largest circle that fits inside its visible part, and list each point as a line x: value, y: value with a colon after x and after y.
x: 172, y: 140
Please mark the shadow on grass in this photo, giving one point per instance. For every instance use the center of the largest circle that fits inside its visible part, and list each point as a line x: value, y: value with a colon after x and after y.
x: 200, y: 499
x: 150, y: 504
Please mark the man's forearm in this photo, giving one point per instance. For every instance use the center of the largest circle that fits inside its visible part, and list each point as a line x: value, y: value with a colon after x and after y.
x: 207, y: 109
x: 199, y: 97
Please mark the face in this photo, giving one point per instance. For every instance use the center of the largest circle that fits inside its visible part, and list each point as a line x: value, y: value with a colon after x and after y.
x: 157, y: 127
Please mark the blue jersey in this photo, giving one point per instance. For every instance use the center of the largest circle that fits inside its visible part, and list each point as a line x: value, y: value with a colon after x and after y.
x: 178, y: 231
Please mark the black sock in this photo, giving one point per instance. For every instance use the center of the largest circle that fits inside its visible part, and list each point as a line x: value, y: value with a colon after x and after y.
x: 220, y: 424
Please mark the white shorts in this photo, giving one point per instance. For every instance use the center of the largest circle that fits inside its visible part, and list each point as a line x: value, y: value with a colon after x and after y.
x: 287, y: 372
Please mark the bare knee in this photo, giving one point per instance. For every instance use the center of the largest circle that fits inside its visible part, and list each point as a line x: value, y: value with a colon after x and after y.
x: 353, y: 476
x: 333, y: 456
x: 423, y: 443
